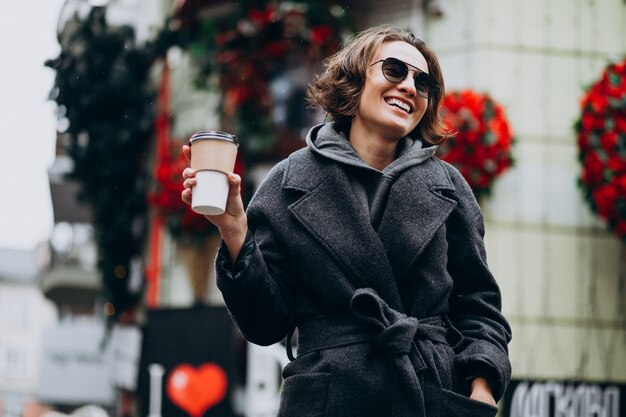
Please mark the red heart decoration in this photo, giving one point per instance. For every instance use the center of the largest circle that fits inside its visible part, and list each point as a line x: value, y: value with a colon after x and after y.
x: 197, y: 390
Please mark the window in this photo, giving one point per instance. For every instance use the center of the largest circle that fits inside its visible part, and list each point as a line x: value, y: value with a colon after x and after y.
x: 16, y: 363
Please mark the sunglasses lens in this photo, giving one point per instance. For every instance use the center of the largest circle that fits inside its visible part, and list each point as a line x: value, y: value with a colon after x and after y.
x: 422, y: 84
x: 394, y: 70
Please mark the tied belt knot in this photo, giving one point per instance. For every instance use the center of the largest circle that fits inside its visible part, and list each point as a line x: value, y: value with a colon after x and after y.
x: 397, y: 333
x: 397, y: 337
x: 402, y: 339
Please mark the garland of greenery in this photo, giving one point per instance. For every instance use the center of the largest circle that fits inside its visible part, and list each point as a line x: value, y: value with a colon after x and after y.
x: 101, y: 84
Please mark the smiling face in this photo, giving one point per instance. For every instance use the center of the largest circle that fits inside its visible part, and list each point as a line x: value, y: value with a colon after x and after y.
x: 391, y: 110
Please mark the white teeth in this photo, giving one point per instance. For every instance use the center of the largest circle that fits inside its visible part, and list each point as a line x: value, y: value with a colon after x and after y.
x: 398, y: 103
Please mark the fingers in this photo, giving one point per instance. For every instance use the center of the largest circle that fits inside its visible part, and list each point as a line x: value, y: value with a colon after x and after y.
x: 186, y: 195
x: 234, y: 181
x: 189, y: 176
x: 190, y: 180
x: 187, y: 152
x: 189, y: 173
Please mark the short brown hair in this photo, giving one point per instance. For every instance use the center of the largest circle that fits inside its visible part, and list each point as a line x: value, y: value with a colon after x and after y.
x: 338, y: 90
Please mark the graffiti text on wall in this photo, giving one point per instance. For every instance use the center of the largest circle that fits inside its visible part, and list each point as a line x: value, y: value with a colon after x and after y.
x: 564, y: 399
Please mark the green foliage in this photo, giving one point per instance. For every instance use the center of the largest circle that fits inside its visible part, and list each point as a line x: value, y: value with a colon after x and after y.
x: 101, y: 82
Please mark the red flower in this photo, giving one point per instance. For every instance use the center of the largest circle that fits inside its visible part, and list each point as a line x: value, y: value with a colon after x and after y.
x: 592, y: 122
x: 583, y: 142
x: 605, y: 197
x: 598, y: 102
x: 608, y: 141
x: 236, y: 96
x: 481, y: 148
x: 321, y: 34
x: 275, y: 49
x: 262, y: 18
x: 601, y: 143
x: 620, y: 184
x: 616, y: 164
x: 592, y: 173
x: 620, y: 121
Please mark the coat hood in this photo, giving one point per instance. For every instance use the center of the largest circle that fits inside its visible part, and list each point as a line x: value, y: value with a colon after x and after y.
x: 327, y: 141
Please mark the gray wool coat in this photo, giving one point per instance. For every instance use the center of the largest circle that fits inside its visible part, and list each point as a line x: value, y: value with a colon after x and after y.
x: 390, y: 322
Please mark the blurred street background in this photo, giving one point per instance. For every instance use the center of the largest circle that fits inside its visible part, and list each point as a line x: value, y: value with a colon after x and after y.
x: 108, y: 305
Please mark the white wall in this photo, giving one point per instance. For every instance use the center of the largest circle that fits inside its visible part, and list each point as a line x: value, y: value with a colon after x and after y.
x: 407, y: 14
x: 24, y: 315
x: 557, y: 266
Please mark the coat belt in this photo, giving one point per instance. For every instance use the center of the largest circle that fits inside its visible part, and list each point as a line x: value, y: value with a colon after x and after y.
x: 392, y: 333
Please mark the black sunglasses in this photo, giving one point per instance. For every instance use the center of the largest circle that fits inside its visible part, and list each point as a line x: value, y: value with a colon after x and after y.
x: 395, y: 71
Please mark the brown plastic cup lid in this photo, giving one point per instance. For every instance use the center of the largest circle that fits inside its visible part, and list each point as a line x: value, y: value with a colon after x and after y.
x: 214, y: 135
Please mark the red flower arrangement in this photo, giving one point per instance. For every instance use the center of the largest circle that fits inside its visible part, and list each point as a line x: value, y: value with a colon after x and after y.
x: 601, y: 132
x: 481, y: 146
x: 257, y: 46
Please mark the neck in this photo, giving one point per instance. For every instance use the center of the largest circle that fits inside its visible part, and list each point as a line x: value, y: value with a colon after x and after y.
x: 375, y: 150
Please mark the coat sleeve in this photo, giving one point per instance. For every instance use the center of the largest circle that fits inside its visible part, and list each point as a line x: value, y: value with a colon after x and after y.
x: 475, y: 302
x: 257, y: 288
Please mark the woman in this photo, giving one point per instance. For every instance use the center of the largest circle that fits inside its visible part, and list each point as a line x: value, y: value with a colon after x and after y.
x: 372, y: 248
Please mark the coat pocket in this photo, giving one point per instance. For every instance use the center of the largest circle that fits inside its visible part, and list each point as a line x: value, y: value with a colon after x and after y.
x: 304, y: 395
x: 457, y: 405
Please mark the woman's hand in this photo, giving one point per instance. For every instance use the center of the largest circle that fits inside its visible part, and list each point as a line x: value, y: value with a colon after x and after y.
x: 232, y: 224
x: 481, y: 391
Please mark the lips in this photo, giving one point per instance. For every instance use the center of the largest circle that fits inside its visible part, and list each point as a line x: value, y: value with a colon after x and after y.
x: 399, y: 103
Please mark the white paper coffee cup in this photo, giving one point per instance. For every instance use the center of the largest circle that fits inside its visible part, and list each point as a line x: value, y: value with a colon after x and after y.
x: 213, y: 155
x: 211, y: 192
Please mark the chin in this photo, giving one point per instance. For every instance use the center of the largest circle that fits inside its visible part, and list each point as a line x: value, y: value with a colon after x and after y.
x: 398, y: 132
x: 399, y: 129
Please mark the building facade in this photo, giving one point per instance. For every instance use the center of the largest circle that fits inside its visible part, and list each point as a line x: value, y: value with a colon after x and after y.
x: 24, y: 316
x: 562, y: 274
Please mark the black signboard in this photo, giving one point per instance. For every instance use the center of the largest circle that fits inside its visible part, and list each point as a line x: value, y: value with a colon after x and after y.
x: 188, y: 363
x: 528, y: 398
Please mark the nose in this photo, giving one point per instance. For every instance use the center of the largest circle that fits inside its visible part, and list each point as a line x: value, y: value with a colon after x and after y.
x: 408, y: 85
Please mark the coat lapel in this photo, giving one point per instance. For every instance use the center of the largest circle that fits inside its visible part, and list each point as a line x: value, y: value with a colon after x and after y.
x: 415, y: 210
x: 332, y: 214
